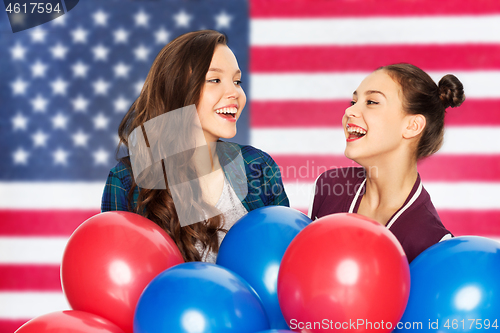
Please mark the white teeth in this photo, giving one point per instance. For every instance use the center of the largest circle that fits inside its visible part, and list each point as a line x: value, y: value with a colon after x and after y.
x: 356, y: 130
x: 227, y: 110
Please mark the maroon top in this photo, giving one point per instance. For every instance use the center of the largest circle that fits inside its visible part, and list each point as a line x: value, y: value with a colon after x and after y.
x: 416, y: 224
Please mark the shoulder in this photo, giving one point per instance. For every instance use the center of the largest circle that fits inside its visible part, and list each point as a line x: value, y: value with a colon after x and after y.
x: 120, y: 173
x: 419, y: 227
x: 345, y: 175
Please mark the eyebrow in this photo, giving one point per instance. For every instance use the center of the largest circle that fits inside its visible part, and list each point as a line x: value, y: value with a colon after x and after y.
x: 214, y: 69
x: 369, y: 92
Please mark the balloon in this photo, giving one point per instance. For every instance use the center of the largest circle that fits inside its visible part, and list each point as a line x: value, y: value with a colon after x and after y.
x: 455, y: 287
x: 199, y: 297
x: 253, y: 249
x: 110, y: 259
x: 69, y: 322
x: 344, y: 272
x: 275, y: 331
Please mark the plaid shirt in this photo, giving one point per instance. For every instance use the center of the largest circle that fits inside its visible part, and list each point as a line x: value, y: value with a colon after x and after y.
x: 263, y: 187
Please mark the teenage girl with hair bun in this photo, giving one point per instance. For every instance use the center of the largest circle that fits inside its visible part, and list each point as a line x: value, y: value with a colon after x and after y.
x: 396, y: 118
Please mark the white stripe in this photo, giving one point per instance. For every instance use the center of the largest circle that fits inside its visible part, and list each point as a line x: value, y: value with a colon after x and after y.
x: 457, y: 196
x: 51, y: 195
x: 32, y: 250
x: 373, y: 31
x: 331, y: 141
x: 402, y: 210
x: 28, y: 305
x: 331, y: 86
x: 358, y: 192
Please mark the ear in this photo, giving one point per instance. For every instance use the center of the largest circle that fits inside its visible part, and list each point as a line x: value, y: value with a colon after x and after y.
x: 415, y: 126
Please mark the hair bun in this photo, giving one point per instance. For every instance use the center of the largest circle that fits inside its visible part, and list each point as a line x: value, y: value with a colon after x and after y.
x: 451, y: 91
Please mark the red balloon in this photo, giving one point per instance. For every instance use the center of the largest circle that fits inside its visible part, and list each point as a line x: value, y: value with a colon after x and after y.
x: 110, y: 259
x: 69, y: 322
x: 344, y: 271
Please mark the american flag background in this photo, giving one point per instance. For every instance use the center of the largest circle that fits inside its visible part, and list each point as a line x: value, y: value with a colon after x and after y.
x: 66, y: 84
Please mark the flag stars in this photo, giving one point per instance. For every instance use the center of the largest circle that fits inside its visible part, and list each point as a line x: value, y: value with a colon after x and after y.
x: 60, y: 156
x: 59, y: 87
x: 38, y: 35
x: 59, y: 20
x: 38, y: 69
x: 80, y: 104
x: 162, y: 36
x: 59, y: 121
x: 59, y: 51
x: 100, y: 157
x: 121, y: 70
x: 100, y: 121
x: 79, y: 35
x: 182, y: 19
x: 141, y: 53
x: 19, y: 87
x: 80, y: 69
x: 19, y: 122
x: 20, y: 156
x: 121, y: 104
x: 223, y: 20
x: 39, y: 139
x: 121, y: 36
x: 39, y: 104
x: 100, y: 18
x: 100, y: 52
x: 141, y: 19
x: 101, y: 87
x: 18, y: 52
x: 80, y: 138
x: 138, y: 86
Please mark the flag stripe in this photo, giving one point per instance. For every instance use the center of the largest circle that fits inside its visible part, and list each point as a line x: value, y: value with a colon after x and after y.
x: 472, y: 222
x: 42, y: 222
x: 26, y: 305
x: 449, y: 168
x: 7, y: 325
x: 449, y: 196
x: 70, y: 195
x: 331, y: 141
x: 330, y: 86
x: 373, y: 31
x: 327, y: 8
x: 329, y: 113
x: 30, y: 277
x: 354, y: 58
x: 32, y: 250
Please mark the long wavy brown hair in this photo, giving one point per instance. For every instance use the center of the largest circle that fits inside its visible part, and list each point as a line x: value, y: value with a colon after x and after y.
x: 175, y: 80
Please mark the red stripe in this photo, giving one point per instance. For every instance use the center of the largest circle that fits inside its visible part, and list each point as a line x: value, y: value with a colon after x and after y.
x: 482, y: 222
x: 9, y: 326
x: 29, y: 278
x: 285, y: 114
x: 447, y: 168
x: 42, y: 222
x: 343, y: 8
x: 463, y: 223
x: 370, y: 57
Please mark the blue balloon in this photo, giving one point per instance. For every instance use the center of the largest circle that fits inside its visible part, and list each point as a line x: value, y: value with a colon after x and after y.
x: 199, y: 297
x: 254, y: 247
x: 455, y: 287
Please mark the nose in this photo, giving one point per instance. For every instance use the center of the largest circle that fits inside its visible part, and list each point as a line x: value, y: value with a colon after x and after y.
x: 351, y: 112
x: 232, y: 91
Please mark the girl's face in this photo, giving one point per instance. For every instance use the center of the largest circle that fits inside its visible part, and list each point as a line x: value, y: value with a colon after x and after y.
x: 222, y: 98
x: 375, y: 122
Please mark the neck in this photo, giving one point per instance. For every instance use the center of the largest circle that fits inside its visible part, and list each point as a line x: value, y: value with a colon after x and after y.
x: 389, y: 184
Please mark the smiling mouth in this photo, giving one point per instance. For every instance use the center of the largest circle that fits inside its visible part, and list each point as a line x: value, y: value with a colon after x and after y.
x: 229, y: 113
x: 355, y: 132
